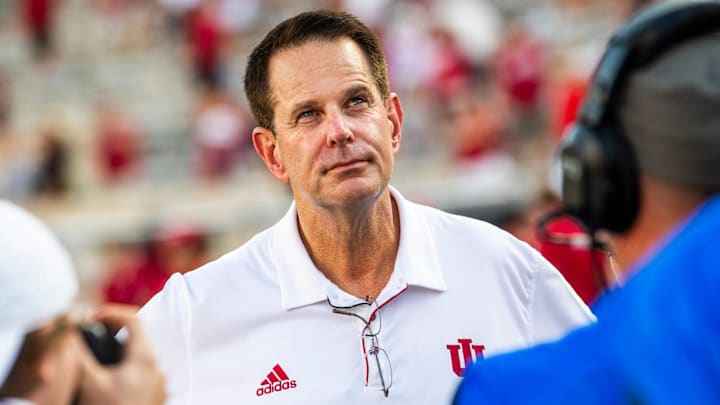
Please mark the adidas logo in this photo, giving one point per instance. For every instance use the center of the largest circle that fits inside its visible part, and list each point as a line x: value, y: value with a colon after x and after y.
x: 275, y: 381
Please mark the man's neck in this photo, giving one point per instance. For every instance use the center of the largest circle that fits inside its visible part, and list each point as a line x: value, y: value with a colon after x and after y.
x: 356, y: 247
x: 663, y: 208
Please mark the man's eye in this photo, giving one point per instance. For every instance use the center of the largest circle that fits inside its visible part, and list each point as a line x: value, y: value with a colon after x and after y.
x: 306, y: 114
x: 357, y: 100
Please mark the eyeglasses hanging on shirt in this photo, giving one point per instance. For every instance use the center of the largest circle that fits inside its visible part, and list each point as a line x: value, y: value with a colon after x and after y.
x: 378, y: 371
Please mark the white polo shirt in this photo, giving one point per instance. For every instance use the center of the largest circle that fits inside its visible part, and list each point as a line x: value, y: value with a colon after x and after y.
x: 255, y: 326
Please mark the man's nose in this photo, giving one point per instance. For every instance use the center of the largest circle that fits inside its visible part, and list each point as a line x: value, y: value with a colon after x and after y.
x: 338, y: 131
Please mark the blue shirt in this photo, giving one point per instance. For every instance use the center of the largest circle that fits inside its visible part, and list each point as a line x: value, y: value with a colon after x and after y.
x: 657, y: 339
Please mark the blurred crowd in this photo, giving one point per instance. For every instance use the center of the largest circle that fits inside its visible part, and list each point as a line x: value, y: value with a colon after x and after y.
x: 104, y: 95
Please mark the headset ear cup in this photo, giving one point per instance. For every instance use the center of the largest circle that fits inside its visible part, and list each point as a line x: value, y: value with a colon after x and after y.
x: 578, y: 157
x: 622, y: 191
x: 599, y: 178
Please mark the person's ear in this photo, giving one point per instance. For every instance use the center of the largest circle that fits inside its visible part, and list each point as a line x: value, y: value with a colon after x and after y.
x: 395, y: 117
x: 266, y: 146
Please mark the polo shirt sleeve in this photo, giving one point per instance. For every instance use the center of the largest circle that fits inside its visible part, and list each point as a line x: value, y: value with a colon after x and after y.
x: 555, y: 308
x: 166, y: 319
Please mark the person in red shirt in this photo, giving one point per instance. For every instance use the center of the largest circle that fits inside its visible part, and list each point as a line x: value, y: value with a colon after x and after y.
x: 37, y: 17
x: 564, y: 242
x: 583, y: 261
x: 118, y: 144
x: 138, y: 274
x: 207, y: 41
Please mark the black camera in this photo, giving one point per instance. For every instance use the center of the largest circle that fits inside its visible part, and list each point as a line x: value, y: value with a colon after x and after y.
x: 102, y: 342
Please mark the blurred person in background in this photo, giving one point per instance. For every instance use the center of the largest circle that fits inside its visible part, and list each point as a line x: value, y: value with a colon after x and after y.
x: 356, y: 295
x: 138, y: 273
x: 35, y: 165
x: 118, y: 144
x: 519, y: 67
x: 53, y: 164
x: 219, y: 126
x: 453, y: 71
x: 207, y: 43
x: 640, y: 166
x: 478, y: 122
x: 38, y: 19
x: 43, y: 359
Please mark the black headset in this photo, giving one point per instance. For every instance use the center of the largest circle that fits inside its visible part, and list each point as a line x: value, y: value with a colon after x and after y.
x: 599, y: 168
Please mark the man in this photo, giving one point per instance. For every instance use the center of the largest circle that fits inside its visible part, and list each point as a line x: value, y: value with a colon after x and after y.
x: 357, y: 295
x: 43, y: 360
x: 656, y: 339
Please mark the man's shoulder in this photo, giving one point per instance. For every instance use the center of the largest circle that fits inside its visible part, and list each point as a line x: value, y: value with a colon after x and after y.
x: 463, y: 243
x: 254, y: 254
x: 239, y: 273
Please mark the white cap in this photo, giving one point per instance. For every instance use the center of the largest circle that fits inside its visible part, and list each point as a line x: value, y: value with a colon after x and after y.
x: 37, y: 280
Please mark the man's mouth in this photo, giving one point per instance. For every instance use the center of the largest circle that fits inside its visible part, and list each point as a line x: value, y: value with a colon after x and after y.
x: 346, y: 165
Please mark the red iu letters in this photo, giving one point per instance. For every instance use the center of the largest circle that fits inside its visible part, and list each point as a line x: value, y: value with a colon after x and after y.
x: 468, y: 349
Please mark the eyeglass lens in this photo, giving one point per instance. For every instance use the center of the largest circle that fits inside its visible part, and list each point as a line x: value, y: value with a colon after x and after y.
x: 377, y: 363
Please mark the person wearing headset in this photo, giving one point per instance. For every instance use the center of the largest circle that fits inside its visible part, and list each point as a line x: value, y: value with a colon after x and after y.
x: 642, y: 165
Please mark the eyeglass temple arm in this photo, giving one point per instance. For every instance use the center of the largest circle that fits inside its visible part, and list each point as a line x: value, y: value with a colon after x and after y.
x: 343, y: 312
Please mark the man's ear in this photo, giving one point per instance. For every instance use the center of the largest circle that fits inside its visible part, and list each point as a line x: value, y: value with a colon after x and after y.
x: 395, y: 116
x: 266, y: 146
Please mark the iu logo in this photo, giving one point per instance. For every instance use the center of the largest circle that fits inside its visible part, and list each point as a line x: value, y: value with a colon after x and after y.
x: 468, y: 349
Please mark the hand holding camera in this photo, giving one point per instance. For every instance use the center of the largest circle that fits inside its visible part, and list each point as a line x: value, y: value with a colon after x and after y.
x: 127, y: 372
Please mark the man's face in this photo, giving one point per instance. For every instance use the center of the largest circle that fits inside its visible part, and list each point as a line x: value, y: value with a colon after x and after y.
x: 335, y: 138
